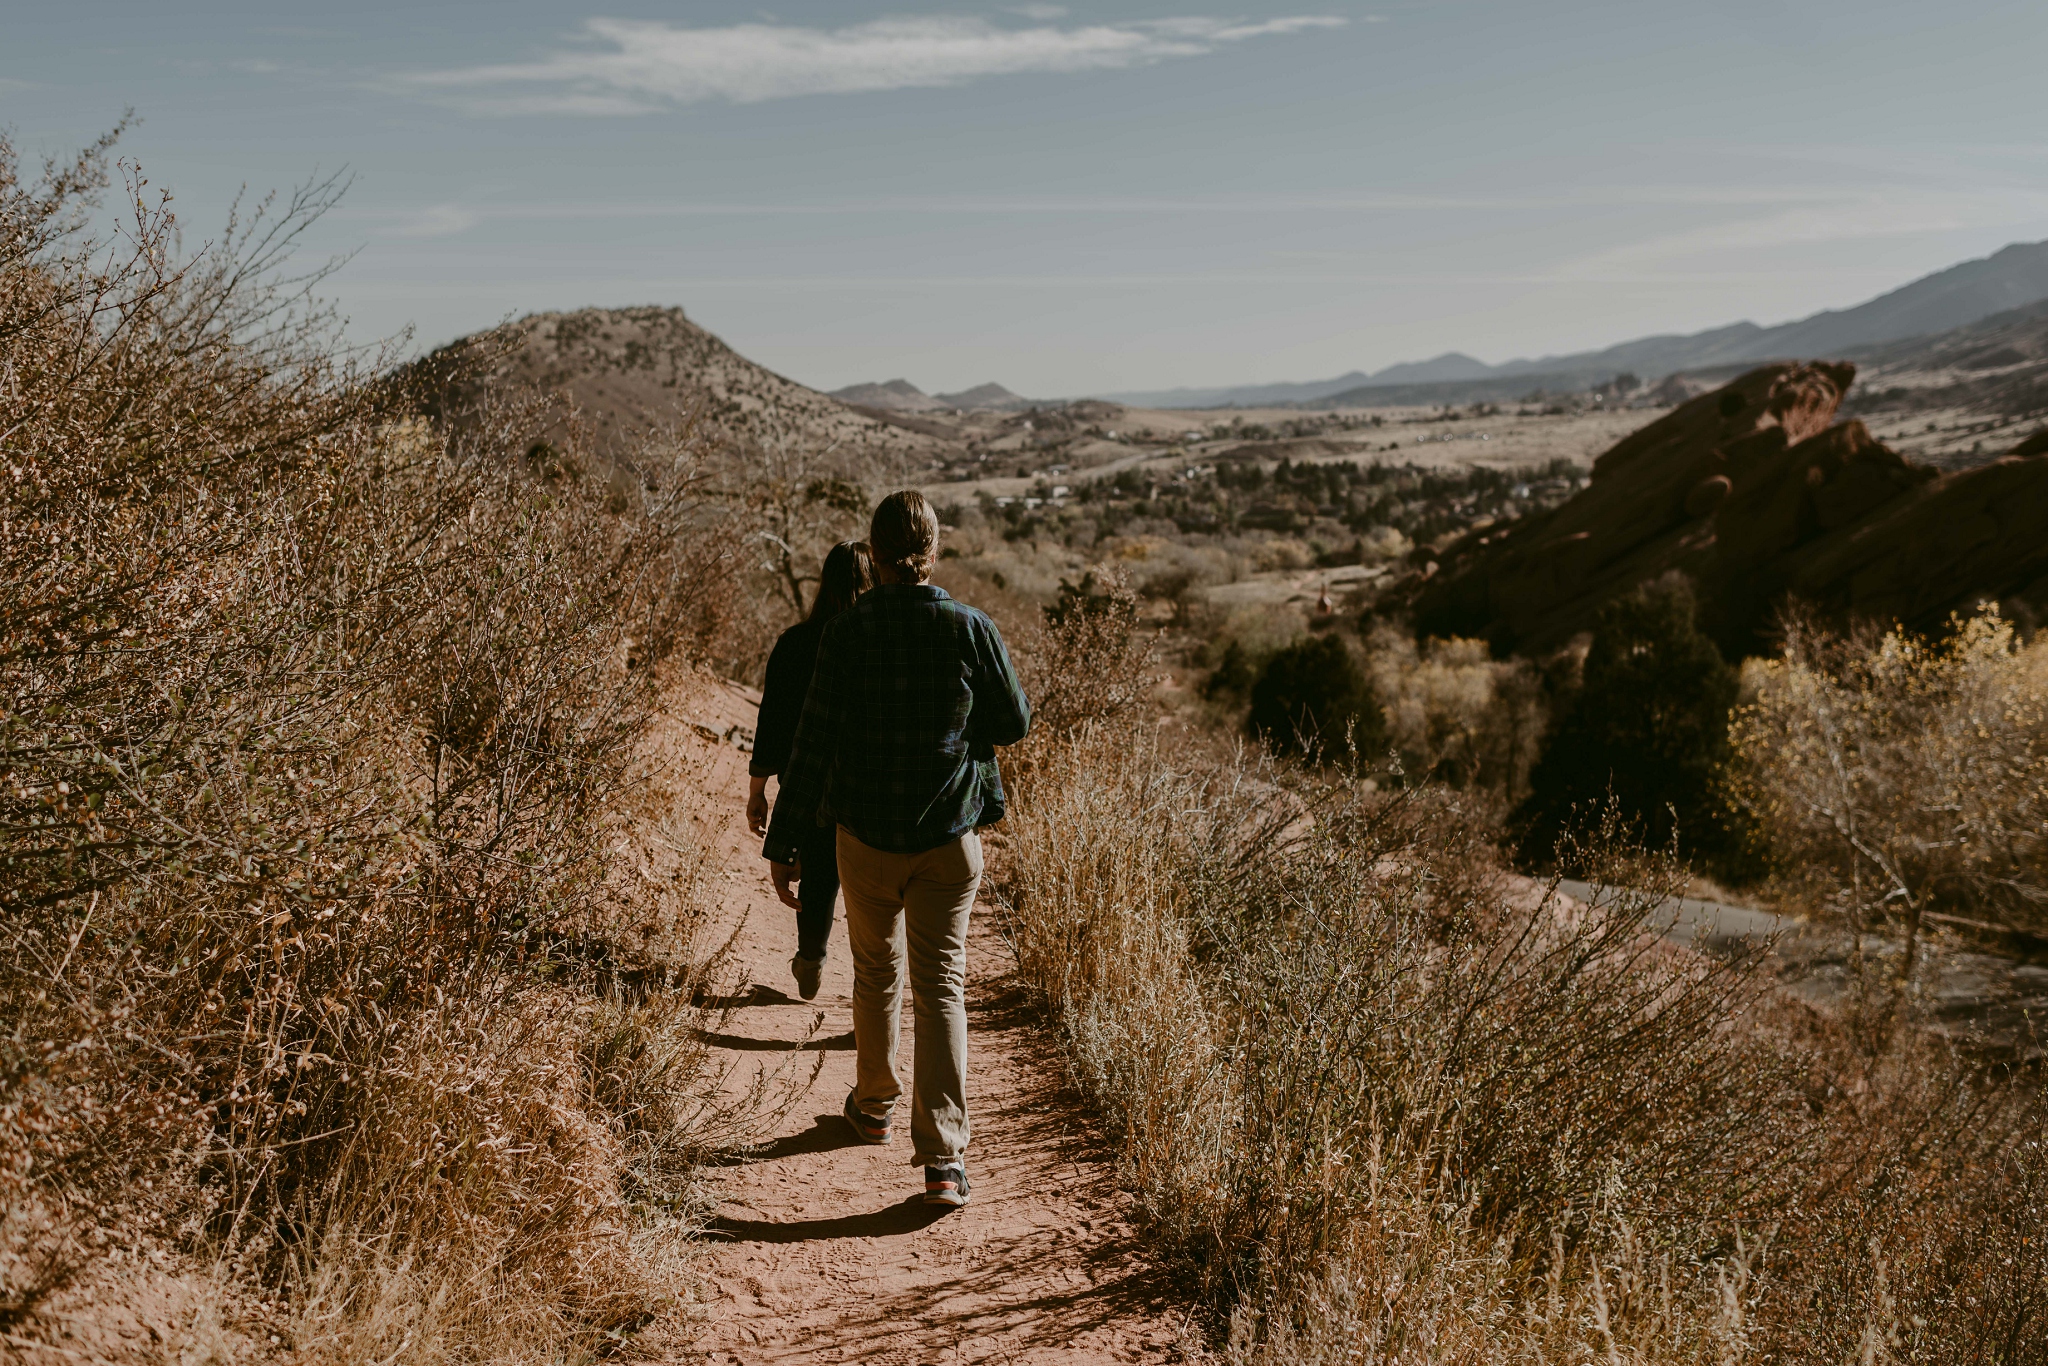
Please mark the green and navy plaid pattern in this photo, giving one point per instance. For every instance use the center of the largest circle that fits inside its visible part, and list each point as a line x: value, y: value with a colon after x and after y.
x: 912, y: 693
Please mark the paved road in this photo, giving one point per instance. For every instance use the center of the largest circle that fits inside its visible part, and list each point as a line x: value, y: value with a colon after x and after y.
x: 1983, y: 999
x: 1709, y: 925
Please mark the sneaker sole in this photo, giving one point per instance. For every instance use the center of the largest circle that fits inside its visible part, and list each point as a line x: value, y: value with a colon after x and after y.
x: 864, y: 1132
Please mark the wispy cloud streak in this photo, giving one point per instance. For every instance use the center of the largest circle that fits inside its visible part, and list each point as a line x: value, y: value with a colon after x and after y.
x: 1743, y: 216
x: 632, y: 66
x: 1893, y: 211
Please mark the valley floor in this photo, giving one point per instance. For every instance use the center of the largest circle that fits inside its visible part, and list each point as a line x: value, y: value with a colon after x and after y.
x: 1410, y: 436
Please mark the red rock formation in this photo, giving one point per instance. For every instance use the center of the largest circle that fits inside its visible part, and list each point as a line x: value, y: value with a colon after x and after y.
x: 1753, y: 495
x: 1966, y: 537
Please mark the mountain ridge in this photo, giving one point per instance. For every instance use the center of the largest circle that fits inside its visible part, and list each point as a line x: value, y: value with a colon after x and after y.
x: 989, y: 395
x: 2013, y: 277
x: 895, y: 395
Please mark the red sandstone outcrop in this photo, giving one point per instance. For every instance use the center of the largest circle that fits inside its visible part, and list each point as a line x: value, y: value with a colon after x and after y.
x: 1755, y: 496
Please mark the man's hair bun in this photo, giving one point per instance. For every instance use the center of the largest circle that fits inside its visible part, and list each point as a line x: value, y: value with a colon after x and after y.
x: 905, y: 534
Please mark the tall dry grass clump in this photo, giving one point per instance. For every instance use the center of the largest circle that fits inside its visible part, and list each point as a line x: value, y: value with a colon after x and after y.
x: 313, y: 722
x: 1391, y: 1106
x: 1103, y: 925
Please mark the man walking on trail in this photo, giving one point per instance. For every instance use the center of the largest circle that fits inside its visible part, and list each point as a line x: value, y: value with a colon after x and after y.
x: 896, y: 747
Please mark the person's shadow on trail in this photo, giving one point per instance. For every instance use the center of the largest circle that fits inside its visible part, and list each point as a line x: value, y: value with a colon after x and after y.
x: 743, y: 1044
x: 756, y: 994
x: 907, y: 1215
x: 828, y: 1133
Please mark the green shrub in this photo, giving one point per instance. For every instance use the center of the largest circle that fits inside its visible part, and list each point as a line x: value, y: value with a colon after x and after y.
x: 1313, y: 700
x: 1648, y: 731
x: 1233, y: 675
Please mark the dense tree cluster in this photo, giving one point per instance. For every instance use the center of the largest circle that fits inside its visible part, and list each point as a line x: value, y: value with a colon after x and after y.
x: 1335, y: 502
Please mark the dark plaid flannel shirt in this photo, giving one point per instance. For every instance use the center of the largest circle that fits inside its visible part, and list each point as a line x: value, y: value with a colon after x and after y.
x: 911, y: 694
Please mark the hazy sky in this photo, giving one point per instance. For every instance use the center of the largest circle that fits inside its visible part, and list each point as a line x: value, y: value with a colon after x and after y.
x: 1086, y: 197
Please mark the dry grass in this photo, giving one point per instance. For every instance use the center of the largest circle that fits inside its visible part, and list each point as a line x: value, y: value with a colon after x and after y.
x: 318, y: 730
x: 1388, y: 1107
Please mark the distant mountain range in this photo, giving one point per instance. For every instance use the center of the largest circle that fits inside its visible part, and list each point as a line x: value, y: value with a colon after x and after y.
x: 1450, y: 367
x: 1963, y: 294
x: 901, y: 396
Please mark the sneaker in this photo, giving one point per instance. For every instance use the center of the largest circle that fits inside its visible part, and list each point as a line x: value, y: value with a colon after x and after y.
x: 808, y: 973
x: 945, y: 1184
x: 866, y: 1127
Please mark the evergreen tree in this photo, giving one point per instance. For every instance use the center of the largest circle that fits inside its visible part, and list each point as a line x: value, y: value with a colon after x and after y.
x: 1312, y: 698
x: 1649, y: 726
x: 1233, y: 675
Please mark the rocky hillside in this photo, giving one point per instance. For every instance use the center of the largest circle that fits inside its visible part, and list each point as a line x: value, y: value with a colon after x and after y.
x: 633, y: 371
x: 1998, y: 365
x: 896, y: 395
x: 901, y: 396
x: 1755, y: 493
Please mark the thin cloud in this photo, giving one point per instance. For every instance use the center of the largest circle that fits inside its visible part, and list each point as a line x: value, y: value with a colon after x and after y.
x: 1892, y: 212
x: 636, y: 66
x: 443, y: 219
x: 438, y: 220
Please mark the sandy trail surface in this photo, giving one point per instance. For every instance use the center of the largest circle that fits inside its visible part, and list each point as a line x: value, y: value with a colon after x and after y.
x: 822, y: 1248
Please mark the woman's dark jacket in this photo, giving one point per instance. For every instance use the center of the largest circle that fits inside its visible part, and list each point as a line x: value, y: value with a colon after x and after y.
x: 782, y: 697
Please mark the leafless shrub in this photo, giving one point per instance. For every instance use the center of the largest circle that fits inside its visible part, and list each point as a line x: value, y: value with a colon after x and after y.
x: 1895, y: 779
x: 782, y: 499
x: 1090, y: 660
x: 314, y: 723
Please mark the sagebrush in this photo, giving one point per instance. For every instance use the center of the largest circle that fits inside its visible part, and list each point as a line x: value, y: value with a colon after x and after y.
x: 314, y: 725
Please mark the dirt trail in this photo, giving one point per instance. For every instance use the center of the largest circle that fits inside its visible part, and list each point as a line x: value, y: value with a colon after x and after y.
x: 823, y: 1249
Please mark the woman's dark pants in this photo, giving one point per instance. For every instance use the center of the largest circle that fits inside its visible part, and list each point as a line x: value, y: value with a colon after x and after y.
x: 817, y: 888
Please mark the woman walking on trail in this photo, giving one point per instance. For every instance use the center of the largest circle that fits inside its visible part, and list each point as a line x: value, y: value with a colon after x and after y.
x: 848, y: 572
x: 896, y: 751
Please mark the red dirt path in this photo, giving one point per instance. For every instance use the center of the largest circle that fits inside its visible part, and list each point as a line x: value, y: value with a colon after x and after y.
x: 822, y: 1248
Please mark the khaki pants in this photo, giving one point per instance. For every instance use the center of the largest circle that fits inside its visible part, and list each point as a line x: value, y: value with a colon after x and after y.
x: 923, y: 898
